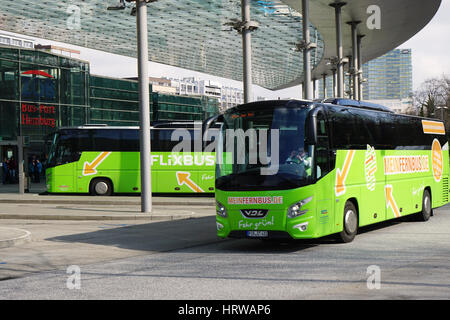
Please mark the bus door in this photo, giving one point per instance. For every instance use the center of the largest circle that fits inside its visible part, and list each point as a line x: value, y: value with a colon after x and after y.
x: 324, y: 163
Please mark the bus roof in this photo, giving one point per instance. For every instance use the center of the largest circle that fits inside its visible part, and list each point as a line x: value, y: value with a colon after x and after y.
x: 357, y: 104
x: 154, y: 125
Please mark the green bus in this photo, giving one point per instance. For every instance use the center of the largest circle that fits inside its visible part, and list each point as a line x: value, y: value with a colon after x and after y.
x: 331, y: 167
x: 104, y: 160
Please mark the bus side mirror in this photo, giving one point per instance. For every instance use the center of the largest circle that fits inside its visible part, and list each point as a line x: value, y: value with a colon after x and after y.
x: 208, y: 124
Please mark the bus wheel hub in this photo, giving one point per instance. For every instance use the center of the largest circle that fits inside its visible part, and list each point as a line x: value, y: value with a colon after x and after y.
x: 101, y: 187
x: 350, y: 221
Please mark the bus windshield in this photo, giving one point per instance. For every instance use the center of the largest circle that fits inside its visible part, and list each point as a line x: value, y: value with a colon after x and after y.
x: 263, y: 149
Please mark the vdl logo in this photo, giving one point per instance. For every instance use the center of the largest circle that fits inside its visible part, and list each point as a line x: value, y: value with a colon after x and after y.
x: 254, y: 213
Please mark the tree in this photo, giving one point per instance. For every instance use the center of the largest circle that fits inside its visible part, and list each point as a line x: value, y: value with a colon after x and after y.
x: 432, y: 99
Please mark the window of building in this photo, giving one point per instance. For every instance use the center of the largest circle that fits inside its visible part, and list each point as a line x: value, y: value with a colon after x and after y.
x: 16, y: 42
x: 5, y: 40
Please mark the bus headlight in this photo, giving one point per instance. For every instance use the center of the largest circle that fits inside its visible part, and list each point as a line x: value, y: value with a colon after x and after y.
x: 296, y: 209
x: 221, y: 210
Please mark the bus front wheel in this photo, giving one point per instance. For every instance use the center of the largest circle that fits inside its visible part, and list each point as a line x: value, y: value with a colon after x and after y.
x: 101, y: 187
x: 350, y: 223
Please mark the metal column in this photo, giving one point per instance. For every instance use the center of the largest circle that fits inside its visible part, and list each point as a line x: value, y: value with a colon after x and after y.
x: 355, y: 64
x: 339, y: 50
x: 20, y: 161
x: 334, y: 82
x: 308, y: 90
x: 324, y: 84
x: 314, y: 91
x: 144, y: 106
x: 360, y: 74
x: 246, y: 51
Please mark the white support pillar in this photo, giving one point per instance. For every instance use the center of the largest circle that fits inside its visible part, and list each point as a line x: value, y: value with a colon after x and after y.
x: 308, y: 90
x: 339, y: 49
x: 144, y: 106
x: 324, y: 85
x: 333, y: 70
x: 360, y: 71
x: 246, y: 51
x: 354, y: 69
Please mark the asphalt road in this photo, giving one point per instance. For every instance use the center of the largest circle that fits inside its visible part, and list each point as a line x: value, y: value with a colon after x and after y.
x: 183, y: 259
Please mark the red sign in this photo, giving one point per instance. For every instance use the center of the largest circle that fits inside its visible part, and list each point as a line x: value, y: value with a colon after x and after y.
x: 38, y: 115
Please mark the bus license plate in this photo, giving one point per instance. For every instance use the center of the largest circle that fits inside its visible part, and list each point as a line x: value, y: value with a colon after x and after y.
x: 257, y: 234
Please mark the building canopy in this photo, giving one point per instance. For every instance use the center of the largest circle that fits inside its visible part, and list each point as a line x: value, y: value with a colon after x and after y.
x: 196, y: 34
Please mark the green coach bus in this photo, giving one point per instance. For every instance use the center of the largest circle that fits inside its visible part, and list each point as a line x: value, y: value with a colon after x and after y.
x: 102, y: 160
x: 331, y: 168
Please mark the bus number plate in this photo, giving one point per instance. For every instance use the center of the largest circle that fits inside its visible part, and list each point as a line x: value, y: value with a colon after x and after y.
x: 257, y: 234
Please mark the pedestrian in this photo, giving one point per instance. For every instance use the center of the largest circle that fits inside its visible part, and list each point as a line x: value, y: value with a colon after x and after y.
x: 5, y: 170
x: 12, y: 167
x: 37, y: 171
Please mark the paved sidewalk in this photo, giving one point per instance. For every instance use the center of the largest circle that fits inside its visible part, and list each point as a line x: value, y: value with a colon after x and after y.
x: 13, y: 236
x: 113, y: 210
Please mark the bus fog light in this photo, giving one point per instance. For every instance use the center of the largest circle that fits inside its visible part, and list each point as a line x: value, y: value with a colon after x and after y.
x: 302, y: 226
x: 296, y: 209
x: 221, y: 210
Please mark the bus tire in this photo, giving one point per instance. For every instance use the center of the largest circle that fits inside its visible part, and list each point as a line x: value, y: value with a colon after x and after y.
x: 427, y: 211
x: 101, y: 187
x: 350, y: 223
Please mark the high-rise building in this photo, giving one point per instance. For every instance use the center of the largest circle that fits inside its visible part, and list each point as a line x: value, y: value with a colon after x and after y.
x: 389, y: 76
x: 387, y: 79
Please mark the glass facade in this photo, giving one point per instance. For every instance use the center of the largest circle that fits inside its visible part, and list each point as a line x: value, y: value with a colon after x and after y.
x: 40, y: 92
x: 116, y: 102
x: 193, y: 34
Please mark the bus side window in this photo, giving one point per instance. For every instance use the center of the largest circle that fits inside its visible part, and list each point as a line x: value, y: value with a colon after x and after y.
x: 322, y: 147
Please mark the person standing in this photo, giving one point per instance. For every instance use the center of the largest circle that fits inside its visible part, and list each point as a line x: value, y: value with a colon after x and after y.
x: 12, y: 167
x: 37, y: 171
x: 5, y: 170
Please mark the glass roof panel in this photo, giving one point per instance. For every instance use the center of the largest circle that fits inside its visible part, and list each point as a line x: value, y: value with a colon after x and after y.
x: 190, y: 34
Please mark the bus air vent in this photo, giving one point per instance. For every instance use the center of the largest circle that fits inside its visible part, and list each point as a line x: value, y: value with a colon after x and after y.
x: 445, y: 190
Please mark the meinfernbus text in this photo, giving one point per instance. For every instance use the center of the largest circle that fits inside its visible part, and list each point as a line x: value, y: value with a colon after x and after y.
x: 102, y: 160
x: 301, y: 169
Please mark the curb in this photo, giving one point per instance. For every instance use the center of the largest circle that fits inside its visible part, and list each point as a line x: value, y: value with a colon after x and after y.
x: 5, y: 243
x: 149, y: 217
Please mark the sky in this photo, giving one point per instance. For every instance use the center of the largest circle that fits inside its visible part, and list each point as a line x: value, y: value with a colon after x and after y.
x: 430, y: 58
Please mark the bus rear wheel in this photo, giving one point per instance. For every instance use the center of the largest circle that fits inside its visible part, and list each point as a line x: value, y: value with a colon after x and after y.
x: 101, y: 187
x: 427, y: 211
x: 350, y: 223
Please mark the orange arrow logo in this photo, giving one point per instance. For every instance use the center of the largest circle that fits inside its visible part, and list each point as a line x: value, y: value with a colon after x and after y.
x: 183, y: 178
x: 90, y: 168
x: 390, y: 202
x: 341, y: 175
